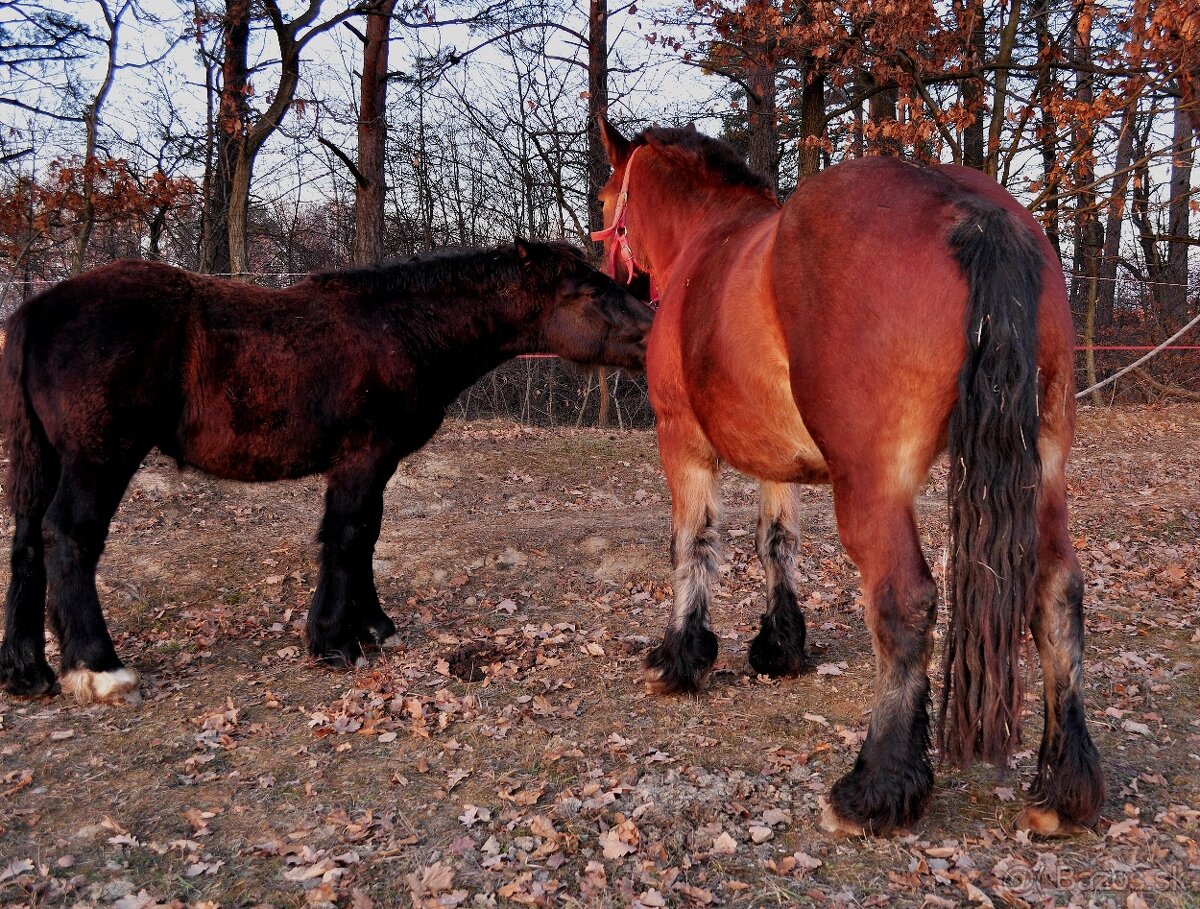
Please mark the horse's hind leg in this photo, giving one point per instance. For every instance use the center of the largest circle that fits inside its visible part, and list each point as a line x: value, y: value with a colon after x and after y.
x: 1069, y: 788
x: 345, y: 607
x: 23, y: 667
x: 890, y: 783
x: 75, y: 529
x: 689, y: 648
x: 778, y: 649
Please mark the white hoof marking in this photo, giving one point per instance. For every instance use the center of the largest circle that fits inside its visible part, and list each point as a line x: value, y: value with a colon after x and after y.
x: 392, y: 642
x: 1045, y: 822
x: 120, y: 686
x: 832, y: 824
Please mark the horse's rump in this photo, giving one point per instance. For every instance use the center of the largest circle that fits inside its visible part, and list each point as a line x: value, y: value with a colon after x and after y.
x: 717, y: 331
x: 101, y: 356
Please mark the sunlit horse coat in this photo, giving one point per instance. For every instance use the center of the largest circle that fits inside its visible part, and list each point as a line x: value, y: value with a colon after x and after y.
x: 884, y: 313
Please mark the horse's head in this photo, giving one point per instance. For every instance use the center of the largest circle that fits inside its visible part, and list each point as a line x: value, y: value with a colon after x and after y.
x: 590, y: 318
x: 621, y: 259
x: 665, y: 181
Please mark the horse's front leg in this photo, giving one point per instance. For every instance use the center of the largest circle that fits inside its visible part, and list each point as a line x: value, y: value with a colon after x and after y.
x: 366, y: 616
x: 345, y: 607
x: 778, y: 650
x: 892, y: 778
x: 689, y: 648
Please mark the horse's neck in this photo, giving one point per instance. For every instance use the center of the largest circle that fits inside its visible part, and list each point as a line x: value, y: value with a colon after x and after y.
x: 476, y: 332
x: 671, y: 222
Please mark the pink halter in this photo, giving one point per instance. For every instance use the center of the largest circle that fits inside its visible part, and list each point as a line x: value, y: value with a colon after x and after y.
x: 619, y: 233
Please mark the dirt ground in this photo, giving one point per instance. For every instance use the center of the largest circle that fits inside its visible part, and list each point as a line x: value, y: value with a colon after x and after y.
x: 506, y: 752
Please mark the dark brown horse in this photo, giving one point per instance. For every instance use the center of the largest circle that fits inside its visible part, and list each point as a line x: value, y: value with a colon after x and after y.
x: 885, y: 313
x: 344, y: 374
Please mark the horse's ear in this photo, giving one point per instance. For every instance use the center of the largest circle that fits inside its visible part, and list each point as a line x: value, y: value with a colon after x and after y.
x: 615, y: 144
x: 691, y: 128
x: 524, y: 254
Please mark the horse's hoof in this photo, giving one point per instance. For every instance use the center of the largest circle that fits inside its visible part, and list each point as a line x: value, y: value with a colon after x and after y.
x: 34, y: 680
x: 778, y: 648
x: 660, y: 684
x: 682, y: 662
x: 118, y: 686
x: 838, y: 826
x: 392, y: 642
x: 776, y: 663
x: 1042, y: 821
x: 883, y: 802
x: 346, y: 655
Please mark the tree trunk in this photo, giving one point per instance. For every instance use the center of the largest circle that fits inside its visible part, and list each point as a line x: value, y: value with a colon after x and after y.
x: 598, y: 165
x: 972, y: 90
x: 1107, y: 275
x: 1004, y: 54
x: 230, y: 126
x: 597, y: 106
x: 859, y: 146
x: 255, y: 134
x: 1089, y: 232
x: 370, y: 181
x: 91, y: 119
x: 884, y: 108
x: 1175, y: 273
x: 210, y: 148
x: 604, y: 418
x: 762, y: 153
x: 1089, y: 335
x: 155, y: 230
x: 812, y: 118
x: 1139, y: 211
x: 1048, y: 133
x: 239, y: 216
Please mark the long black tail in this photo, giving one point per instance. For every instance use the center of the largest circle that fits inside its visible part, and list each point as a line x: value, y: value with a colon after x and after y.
x: 994, y: 475
x: 31, y: 459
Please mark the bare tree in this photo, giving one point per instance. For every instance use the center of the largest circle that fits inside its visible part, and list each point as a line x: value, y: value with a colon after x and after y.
x: 369, y: 172
x: 242, y: 134
x: 91, y: 120
x: 1175, y: 273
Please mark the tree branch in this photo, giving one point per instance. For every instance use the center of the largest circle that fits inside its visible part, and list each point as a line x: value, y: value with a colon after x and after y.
x: 345, y: 159
x: 1175, y: 390
x: 13, y: 102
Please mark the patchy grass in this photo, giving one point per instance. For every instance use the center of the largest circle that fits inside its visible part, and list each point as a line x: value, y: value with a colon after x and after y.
x: 506, y: 753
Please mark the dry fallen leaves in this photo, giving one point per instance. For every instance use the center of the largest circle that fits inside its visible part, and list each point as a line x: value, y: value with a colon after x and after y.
x: 430, y: 887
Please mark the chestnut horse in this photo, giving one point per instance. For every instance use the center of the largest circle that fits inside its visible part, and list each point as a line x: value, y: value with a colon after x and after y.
x: 344, y: 374
x: 884, y: 313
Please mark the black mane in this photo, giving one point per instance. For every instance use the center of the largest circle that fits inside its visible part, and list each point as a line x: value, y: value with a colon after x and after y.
x: 717, y: 157
x: 446, y: 270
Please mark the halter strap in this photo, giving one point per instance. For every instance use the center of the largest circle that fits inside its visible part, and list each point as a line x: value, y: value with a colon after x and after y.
x: 618, y: 232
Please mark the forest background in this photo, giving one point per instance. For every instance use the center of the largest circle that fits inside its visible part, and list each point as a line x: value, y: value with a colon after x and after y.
x: 262, y: 139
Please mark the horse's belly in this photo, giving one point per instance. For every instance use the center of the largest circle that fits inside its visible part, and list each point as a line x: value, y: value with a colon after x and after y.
x: 758, y: 430
x: 248, y: 443
x: 250, y: 459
